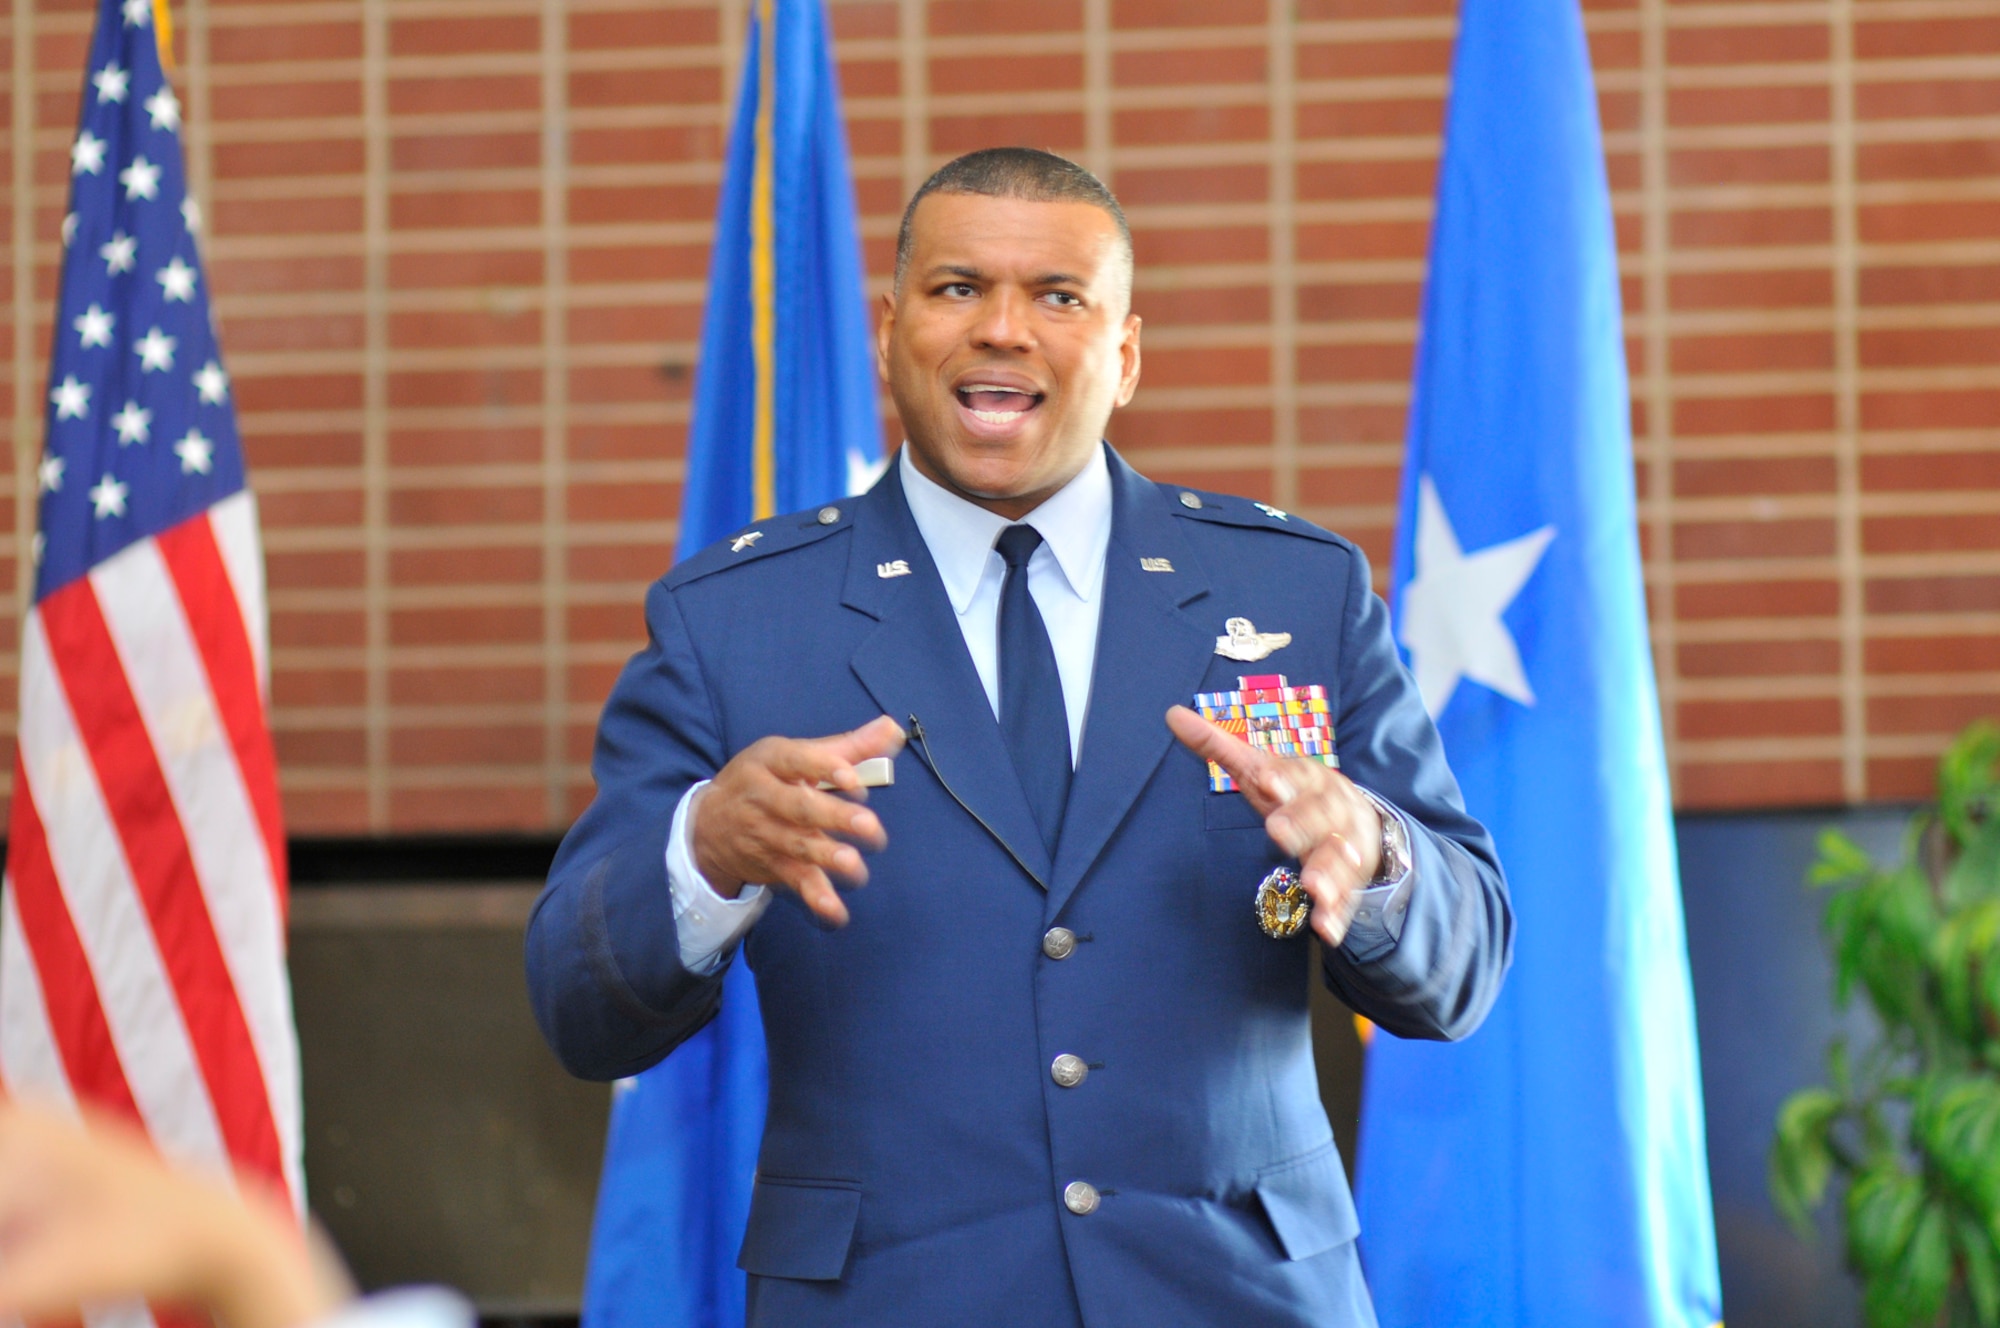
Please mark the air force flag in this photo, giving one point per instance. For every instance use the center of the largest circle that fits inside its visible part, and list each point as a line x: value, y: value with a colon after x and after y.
x: 784, y: 418
x: 1550, y: 1172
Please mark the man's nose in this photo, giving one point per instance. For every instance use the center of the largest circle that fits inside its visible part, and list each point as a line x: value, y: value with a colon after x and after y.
x: 1003, y: 322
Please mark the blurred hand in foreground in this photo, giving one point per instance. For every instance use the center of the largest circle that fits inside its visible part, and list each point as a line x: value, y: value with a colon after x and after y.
x: 90, y: 1214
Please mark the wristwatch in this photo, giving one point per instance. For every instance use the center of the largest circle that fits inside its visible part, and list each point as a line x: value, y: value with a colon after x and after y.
x: 1395, y: 864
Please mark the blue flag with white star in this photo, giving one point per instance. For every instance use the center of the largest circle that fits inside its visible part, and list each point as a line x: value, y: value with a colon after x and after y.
x: 140, y: 433
x: 784, y: 418
x: 1550, y: 1171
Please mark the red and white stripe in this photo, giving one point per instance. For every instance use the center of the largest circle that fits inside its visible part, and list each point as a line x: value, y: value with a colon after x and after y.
x: 142, y: 927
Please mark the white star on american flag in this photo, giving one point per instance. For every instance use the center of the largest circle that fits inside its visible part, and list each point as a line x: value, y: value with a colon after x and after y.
x: 191, y: 213
x: 155, y: 350
x: 195, y: 452
x: 93, y: 326
x: 141, y: 180
x: 133, y: 423
x: 118, y: 253
x: 111, y: 82
x: 212, y: 383
x: 71, y: 399
x: 50, y: 473
x: 108, y: 497
x: 86, y: 155
x: 138, y: 13
x: 164, y: 108
x: 69, y: 228
x: 177, y: 280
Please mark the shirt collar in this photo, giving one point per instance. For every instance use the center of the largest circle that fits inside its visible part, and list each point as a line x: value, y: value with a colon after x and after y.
x: 1074, y: 521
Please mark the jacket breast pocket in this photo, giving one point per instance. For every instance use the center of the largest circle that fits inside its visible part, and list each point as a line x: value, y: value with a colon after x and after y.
x: 800, y: 1228
x: 1229, y: 811
x: 1309, y: 1204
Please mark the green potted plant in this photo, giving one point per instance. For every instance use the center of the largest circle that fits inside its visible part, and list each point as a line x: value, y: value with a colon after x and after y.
x: 1911, y: 1123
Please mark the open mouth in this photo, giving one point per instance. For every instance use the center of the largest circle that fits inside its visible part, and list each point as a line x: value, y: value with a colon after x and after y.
x: 997, y: 403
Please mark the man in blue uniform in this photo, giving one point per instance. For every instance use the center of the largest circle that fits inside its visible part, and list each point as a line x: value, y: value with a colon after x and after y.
x: 1052, y: 1065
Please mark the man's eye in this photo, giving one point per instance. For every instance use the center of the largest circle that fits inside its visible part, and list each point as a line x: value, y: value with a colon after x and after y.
x: 1064, y: 298
x: 959, y: 290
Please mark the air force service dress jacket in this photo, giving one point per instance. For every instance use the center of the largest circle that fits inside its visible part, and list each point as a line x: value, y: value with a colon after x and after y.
x: 917, y: 1148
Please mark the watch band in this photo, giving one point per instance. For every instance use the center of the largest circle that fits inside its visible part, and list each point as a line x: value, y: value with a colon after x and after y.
x: 1395, y: 858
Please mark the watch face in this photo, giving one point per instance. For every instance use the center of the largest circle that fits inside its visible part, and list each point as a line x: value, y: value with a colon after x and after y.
x: 1395, y: 851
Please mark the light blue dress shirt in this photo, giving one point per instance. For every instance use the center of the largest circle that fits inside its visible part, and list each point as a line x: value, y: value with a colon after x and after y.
x: 1066, y: 577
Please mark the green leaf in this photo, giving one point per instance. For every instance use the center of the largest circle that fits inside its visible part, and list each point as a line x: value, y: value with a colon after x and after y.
x: 1909, y: 1289
x: 1882, y: 1211
x: 1840, y: 860
x: 1965, y: 960
x: 1981, y: 1263
x: 1968, y: 779
x: 1975, y: 873
x: 1958, y: 1128
x: 1839, y: 1067
x: 1801, y: 1161
x: 1882, y: 934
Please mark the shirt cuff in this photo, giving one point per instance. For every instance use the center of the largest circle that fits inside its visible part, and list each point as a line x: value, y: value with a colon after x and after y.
x: 1377, y: 924
x: 709, y: 926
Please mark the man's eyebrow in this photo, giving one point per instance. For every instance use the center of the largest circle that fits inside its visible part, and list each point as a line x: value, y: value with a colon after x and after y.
x: 1060, y: 279
x: 954, y: 270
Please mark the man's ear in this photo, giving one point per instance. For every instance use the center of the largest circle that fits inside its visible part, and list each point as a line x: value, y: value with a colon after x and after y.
x: 1128, y: 351
x: 883, y: 326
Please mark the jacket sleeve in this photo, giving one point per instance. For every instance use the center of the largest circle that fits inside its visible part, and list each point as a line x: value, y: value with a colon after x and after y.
x: 604, y: 968
x: 1441, y: 977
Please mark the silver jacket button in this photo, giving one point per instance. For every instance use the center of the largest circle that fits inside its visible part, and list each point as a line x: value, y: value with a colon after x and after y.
x: 1059, y: 943
x: 828, y: 515
x: 1080, y: 1197
x: 1190, y: 500
x: 1068, y: 1070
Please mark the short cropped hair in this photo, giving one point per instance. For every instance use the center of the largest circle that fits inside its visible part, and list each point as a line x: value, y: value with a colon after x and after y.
x: 1029, y: 174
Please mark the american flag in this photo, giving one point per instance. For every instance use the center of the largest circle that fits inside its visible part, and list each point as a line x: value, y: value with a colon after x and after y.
x: 142, y: 925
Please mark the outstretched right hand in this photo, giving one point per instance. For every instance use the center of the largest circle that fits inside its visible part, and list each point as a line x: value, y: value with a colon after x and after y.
x: 765, y: 821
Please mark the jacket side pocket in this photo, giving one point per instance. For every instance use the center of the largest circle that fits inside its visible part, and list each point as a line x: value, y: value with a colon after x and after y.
x: 800, y: 1228
x: 1309, y: 1204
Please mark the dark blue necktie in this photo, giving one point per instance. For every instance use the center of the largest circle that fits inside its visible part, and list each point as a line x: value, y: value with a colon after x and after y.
x: 1032, y: 715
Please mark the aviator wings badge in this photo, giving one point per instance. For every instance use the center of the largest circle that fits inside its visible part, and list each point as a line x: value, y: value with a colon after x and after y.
x: 1244, y: 642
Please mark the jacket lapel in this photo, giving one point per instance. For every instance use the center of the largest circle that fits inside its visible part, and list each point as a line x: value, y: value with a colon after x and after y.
x: 1150, y: 655
x: 915, y: 664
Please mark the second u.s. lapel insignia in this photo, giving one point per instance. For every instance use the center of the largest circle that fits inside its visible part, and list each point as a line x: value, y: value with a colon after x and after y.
x: 897, y: 567
x: 1242, y: 641
x: 1282, y: 904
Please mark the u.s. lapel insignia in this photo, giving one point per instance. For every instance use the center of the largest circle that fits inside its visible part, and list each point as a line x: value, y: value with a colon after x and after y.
x: 1275, y: 513
x: 1242, y: 641
x: 1273, y: 716
x: 1156, y: 565
x: 1282, y: 904
x: 899, y: 567
x: 744, y: 541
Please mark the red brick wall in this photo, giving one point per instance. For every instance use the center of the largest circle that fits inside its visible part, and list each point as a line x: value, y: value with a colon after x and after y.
x: 457, y: 252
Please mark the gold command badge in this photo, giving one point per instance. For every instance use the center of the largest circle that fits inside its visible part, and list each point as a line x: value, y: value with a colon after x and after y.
x: 1282, y: 904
